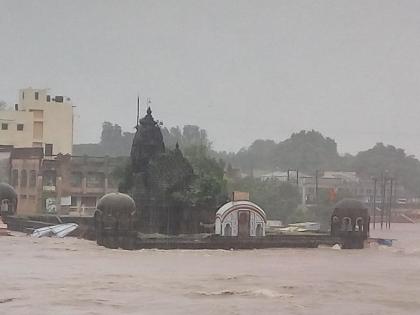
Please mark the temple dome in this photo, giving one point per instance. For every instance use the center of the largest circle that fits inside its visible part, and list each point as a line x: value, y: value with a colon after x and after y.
x: 116, y: 201
x: 348, y: 203
x: 7, y: 192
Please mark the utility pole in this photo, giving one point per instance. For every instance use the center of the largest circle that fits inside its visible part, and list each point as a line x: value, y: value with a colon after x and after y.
x: 383, y: 200
x: 390, y: 204
x: 316, y: 186
x: 297, y: 177
x: 374, y: 201
x: 138, y: 111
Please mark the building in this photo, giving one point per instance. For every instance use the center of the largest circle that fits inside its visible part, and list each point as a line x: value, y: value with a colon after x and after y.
x: 5, y: 152
x: 38, y: 120
x: 158, y: 175
x: 333, y: 182
x: 59, y: 184
x: 25, y: 177
x: 289, y: 176
x: 241, y: 218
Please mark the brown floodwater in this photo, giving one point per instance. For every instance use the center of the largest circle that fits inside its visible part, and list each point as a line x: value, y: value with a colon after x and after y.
x: 74, y: 276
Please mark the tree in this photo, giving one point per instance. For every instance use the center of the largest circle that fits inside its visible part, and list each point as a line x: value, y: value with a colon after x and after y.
x: 388, y: 159
x: 278, y: 199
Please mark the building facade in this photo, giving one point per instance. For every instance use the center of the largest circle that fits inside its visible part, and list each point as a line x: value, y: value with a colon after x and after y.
x: 336, y: 182
x: 38, y: 120
x: 60, y: 184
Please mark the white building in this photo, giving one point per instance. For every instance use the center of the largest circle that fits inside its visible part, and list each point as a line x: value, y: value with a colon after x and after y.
x: 240, y: 218
x: 38, y: 120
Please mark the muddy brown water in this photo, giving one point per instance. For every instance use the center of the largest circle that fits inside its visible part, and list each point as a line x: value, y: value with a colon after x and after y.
x: 74, y: 276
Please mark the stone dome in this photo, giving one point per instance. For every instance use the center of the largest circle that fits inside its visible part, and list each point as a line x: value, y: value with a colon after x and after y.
x: 116, y: 201
x: 7, y: 192
x: 348, y: 203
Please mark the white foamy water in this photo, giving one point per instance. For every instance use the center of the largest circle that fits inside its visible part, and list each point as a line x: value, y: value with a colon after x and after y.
x: 72, y: 276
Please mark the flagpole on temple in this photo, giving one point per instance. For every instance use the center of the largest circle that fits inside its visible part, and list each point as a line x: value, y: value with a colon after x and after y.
x: 138, y: 111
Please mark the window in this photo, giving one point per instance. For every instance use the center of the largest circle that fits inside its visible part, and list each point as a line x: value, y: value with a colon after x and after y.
x: 23, y: 95
x: 76, y: 179
x: 75, y: 201
x: 20, y: 127
x: 48, y: 149
x: 88, y: 201
x: 4, y: 126
x: 38, y: 130
x: 95, y: 180
x: 36, y: 95
x: 49, y: 178
x: 15, y: 178
x: 32, y: 179
x: 23, y: 178
x: 48, y: 98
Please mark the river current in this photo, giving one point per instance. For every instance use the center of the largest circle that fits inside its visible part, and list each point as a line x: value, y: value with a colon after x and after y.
x: 74, y: 276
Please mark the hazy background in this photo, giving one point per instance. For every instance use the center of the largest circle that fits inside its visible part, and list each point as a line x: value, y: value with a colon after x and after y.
x: 240, y: 69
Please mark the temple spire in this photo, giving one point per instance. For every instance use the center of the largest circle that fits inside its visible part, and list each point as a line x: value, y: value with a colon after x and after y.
x: 138, y: 111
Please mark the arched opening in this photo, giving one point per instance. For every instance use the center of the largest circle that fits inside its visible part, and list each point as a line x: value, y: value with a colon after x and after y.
x: 259, y: 230
x: 228, y: 230
x: 32, y: 179
x: 23, y: 178
x: 346, y: 226
x: 359, y: 224
x: 335, y: 225
x: 5, y: 206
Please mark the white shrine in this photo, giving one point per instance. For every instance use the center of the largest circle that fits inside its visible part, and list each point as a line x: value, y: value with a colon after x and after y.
x: 240, y: 218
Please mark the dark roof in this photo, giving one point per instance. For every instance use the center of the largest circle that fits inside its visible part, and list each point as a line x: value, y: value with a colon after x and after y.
x: 6, y: 148
x: 7, y: 192
x: 116, y: 201
x: 27, y: 153
x: 348, y: 203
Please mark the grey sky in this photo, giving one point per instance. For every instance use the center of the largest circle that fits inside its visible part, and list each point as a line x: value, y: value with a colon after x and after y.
x: 240, y: 69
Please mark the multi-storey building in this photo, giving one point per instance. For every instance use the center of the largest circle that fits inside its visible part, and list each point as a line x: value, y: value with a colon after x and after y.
x: 58, y: 184
x: 38, y: 120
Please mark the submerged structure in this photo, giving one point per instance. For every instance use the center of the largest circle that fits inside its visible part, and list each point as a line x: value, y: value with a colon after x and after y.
x: 8, y: 200
x: 240, y: 218
x: 350, y: 220
x: 160, y: 181
x: 114, y: 221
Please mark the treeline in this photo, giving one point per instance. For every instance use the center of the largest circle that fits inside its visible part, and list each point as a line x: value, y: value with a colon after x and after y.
x: 116, y: 143
x: 307, y: 151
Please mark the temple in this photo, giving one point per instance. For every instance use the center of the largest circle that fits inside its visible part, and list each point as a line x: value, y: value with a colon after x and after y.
x: 160, y: 180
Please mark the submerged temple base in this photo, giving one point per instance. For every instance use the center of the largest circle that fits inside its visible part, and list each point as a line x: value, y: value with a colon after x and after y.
x: 134, y: 240
x: 206, y: 241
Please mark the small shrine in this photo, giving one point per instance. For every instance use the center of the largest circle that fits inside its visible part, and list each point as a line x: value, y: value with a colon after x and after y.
x: 241, y: 218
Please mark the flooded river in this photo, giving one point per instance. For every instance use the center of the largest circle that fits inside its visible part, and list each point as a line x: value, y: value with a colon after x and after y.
x: 73, y: 276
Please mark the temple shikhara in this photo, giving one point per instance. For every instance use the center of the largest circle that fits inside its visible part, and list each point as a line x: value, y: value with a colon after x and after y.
x: 159, y: 182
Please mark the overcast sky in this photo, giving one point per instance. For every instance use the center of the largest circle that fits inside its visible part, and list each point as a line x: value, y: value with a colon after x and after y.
x: 240, y: 69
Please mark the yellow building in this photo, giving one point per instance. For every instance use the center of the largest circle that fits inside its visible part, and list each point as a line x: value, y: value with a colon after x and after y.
x: 39, y: 120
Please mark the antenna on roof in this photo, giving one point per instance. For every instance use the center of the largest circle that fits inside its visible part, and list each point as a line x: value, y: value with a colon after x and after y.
x: 138, y: 111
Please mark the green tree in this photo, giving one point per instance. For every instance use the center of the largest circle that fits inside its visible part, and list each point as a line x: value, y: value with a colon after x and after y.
x: 277, y: 199
x: 392, y: 161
